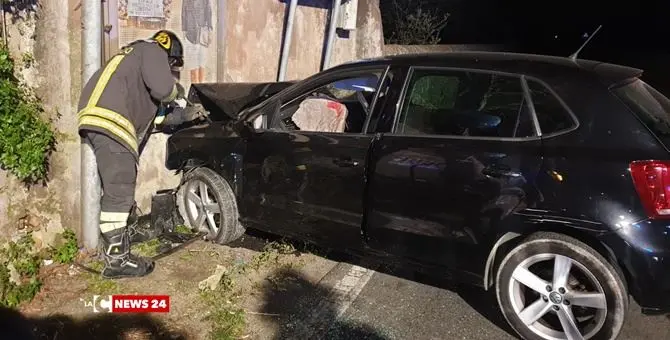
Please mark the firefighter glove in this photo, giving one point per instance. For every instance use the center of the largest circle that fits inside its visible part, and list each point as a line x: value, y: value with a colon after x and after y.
x: 181, y: 92
x: 193, y: 112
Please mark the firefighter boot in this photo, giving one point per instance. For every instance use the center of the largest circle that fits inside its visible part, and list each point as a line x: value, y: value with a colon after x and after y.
x: 119, y: 262
x: 141, y: 228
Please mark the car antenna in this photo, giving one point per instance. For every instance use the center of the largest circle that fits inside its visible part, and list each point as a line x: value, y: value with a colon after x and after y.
x: 573, y: 56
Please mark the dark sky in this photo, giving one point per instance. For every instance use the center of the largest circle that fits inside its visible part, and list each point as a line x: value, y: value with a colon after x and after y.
x: 635, y: 33
x: 637, y: 22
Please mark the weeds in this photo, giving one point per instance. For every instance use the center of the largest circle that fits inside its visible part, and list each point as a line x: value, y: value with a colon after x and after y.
x: 67, y: 251
x: 271, y: 254
x: 26, y: 139
x: 228, y: 320
x: 19, y: 268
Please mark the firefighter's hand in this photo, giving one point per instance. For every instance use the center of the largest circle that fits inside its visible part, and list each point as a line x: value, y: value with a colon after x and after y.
x: 194, y: 112
x: 181, y: 92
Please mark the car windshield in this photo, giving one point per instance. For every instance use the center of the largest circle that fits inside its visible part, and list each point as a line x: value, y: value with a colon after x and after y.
x: 649, y: 104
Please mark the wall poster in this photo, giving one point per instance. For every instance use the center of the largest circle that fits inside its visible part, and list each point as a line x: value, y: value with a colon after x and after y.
x: 194, y: 21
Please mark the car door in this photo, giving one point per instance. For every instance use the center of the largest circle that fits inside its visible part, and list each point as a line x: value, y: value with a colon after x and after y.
x: 304, y: 174
x: 459, y: 158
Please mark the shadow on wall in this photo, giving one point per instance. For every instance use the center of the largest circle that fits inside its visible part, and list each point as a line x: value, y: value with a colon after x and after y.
x: 292, y: 302
x: 16, y: 326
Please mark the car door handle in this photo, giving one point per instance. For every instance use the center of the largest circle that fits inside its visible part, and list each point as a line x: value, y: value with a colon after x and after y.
x: 345, y: 162
x: 500, y: 171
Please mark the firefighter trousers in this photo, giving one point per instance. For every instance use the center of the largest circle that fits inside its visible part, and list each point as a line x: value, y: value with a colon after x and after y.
x: 118, y: 174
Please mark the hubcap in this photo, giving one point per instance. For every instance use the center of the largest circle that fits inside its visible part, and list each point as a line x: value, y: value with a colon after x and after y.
x: 202, y: 209
x: 557, y: 297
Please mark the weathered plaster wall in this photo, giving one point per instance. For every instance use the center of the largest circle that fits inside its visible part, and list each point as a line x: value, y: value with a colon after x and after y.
x: 254, y: 38
x: 370, y: 35
x: 54, y: 206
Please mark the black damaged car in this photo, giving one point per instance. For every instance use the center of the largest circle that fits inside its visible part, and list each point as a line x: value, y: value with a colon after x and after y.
x: 545, y: 179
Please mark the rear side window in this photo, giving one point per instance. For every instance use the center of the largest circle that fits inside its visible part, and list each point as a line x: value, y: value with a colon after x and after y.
x: 652, y: 107
x: 464, y: 103
x: 551, y: 114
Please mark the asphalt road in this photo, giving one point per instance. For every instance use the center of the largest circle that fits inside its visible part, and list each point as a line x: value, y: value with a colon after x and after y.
x: 389, y: 307
x: 365, y: 302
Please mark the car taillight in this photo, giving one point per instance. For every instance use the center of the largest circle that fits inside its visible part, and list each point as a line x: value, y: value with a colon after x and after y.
x: 652, y: 182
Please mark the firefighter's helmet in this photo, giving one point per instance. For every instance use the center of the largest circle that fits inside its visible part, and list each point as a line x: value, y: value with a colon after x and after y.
x: 171, y: 44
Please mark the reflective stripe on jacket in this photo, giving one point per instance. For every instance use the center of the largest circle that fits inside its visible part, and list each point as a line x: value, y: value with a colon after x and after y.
x: 121, y: 99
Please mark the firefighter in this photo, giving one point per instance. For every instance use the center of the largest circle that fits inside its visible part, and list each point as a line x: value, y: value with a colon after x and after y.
x: 118, y: 108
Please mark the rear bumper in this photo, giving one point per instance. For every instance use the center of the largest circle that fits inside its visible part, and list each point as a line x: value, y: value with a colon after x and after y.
x: 643, y: 252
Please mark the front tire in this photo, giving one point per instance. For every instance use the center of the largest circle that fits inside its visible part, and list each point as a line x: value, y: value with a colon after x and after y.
x: 552, y: 286
x: 208, y: 204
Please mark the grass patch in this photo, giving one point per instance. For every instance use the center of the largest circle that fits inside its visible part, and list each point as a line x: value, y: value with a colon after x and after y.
x: 149, y: 248
x: 186, y: 257
x: 227, y: 319
x: 20, y: 264
x: 98, y: 285
x: 182, y: 229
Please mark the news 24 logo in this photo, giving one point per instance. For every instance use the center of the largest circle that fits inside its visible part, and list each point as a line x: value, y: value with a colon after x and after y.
x: 99, y: 303
x: 129, y: 303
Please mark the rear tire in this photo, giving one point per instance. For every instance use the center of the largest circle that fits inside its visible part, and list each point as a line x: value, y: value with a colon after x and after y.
x: 548, y: 309
x: 214, y: 212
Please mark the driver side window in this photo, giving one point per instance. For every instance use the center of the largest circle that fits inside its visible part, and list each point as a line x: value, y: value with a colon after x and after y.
x: 341, y: 105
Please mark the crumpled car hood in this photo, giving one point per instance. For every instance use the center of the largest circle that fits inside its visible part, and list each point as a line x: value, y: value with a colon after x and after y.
x: 225, y: 101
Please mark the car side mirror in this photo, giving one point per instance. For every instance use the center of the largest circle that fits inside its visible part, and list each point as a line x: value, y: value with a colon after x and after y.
x: 246, y: 129
x: 258, y: 122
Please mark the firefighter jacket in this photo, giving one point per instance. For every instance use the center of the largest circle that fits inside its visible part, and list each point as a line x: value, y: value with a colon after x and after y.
x: 121, y: 100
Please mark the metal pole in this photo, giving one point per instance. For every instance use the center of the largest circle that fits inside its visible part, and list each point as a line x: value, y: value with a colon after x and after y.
x: 334, y: 15
x: 90, y: 181
x: 288, y: 35
x: 221, y: 41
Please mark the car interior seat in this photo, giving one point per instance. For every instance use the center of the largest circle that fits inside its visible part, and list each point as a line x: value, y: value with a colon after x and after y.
x: 321, y: 114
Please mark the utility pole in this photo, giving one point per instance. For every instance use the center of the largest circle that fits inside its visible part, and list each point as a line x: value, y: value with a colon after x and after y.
x: 90, y: 180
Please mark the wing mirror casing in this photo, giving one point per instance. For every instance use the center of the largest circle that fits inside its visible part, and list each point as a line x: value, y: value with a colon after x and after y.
x: 245, y: 129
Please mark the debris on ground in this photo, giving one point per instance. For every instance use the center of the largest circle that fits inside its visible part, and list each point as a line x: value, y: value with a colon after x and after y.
x: 212, y: 282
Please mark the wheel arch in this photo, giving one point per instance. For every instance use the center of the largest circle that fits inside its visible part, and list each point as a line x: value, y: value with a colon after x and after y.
x: 506, y: 241
x: 230, y: 168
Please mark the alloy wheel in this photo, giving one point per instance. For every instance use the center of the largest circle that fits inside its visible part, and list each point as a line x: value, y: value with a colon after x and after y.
x: 202, y: 208
x: 557, y: 297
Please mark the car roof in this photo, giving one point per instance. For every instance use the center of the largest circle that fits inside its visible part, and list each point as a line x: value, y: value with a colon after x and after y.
x: 532, y: 64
